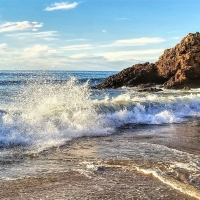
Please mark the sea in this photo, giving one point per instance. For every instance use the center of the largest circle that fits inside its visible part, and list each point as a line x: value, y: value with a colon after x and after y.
x: 53, y: 122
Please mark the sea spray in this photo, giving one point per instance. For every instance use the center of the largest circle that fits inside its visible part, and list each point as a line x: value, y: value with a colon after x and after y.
x: 46, y: 115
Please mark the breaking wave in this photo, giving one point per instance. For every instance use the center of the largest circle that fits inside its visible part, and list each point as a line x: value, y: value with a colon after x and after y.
x: 46, y: 115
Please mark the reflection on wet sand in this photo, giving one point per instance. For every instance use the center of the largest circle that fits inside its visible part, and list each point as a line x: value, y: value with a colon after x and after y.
x: 139, y: 162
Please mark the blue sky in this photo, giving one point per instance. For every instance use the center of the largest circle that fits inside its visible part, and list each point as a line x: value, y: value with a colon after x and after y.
x: 91, y: 34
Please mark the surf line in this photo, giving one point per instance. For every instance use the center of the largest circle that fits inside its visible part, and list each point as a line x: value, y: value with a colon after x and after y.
x: 182, y: 187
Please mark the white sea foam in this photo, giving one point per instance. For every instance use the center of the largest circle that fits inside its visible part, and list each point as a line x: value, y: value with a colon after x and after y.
x: 46, y: 115
x: 182, y: 187
x: 166, y: 164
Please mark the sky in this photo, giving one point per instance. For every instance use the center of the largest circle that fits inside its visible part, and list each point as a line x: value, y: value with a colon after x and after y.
x: 91, y: 34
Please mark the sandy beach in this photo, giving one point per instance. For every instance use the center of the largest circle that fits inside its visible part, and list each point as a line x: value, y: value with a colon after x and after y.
x: 90, y: 168
x: 111, y: 183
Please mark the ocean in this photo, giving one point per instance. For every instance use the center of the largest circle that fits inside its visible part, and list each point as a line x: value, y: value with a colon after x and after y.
x: 108, y: 144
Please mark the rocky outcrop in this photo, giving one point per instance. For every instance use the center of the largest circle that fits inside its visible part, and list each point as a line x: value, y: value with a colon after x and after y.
x: 133, y: 76
x: 178, y: 67
x: 181, y: 64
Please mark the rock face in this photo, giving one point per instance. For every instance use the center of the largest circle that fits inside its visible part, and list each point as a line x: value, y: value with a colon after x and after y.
x: 178, y: 68
x: 181, y: 64
x: 132, y: 76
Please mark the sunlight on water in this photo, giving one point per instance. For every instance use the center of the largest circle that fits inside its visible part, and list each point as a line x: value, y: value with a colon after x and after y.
x: 49, y: 114
x: 46, y: 114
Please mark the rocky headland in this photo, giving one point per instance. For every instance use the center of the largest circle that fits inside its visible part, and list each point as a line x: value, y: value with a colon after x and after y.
x: 177, y: 68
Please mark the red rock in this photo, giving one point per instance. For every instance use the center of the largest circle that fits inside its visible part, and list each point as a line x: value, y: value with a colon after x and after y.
x: 181, y: 64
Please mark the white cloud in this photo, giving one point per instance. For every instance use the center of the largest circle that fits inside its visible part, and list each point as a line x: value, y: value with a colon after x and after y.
x: 103, y: 31
x: 135, y: 42
x: 41, y: 56
x: 20, y: 26
x: 81, y: 55
x: 38, y: 50
x: 3, y: 45
x: 123, y: 55
x: 78, y: 39
x: 74, y: 55
x: 61, y: 6
x: 46, y: 35
x: 121, y: 18
x: 33, y: 57
x: 76, y: 47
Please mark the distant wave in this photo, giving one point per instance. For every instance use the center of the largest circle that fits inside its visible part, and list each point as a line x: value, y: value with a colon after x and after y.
x: 92, y: 81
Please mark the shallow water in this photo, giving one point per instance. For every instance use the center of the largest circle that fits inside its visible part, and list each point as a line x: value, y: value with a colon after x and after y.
x: 148, y: 158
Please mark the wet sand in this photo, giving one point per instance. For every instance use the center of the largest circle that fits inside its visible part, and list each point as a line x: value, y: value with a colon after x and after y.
x: 102, y: 167
x: 109, y: 183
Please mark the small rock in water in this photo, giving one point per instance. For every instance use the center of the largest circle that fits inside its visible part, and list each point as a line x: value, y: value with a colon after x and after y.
x: 186, y: 88
x: 150, y: 90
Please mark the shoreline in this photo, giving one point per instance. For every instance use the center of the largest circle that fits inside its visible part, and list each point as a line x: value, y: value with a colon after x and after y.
x: 106, y: 167
x: 111, y: 183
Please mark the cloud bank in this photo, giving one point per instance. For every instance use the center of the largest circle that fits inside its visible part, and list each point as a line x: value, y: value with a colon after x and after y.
x: 44, y: 56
